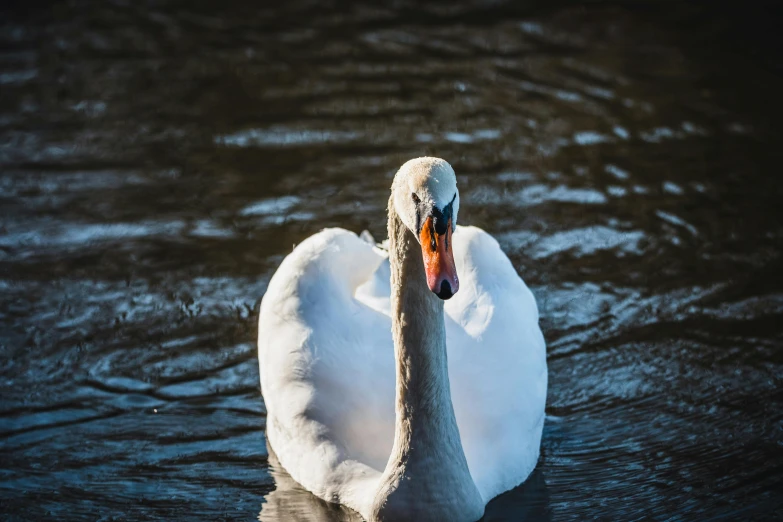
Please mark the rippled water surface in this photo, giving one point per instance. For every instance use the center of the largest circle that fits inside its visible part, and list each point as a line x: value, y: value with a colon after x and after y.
x: 159, y: 159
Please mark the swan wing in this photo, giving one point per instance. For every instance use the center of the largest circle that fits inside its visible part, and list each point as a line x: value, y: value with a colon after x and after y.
x: 497, y: 364
x: 327, y: 368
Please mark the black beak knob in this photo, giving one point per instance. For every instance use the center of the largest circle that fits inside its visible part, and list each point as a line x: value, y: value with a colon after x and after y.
x: 445, y: 291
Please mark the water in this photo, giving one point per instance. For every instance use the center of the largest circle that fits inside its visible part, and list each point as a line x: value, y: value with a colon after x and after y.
x: 158, y: 161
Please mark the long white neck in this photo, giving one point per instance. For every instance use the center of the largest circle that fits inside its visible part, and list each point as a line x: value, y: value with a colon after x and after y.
x: 427, y: 476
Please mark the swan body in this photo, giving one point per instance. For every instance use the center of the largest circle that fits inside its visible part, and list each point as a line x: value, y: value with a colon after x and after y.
x: 385, y: 398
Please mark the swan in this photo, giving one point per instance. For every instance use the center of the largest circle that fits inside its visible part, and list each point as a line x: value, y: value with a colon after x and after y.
x: 408, y: 383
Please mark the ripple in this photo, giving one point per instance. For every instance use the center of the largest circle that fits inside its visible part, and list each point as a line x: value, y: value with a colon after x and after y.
x: 22, y: 76
x: 283, y: 137
x: 271, y: 206
x: 617, y: 172
x: 540, y: 193
x: 676, y: 221
x: 590, y: 138
x: 81, y: 233
x: 587, y: 241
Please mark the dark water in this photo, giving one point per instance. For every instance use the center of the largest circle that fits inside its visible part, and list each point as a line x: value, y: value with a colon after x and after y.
x: 159, y: 159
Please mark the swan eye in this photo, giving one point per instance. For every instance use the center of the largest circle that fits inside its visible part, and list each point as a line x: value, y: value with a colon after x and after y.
x: 415, y: 198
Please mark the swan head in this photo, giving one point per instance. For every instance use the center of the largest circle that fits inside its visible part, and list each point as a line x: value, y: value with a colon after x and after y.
x: 426, y: 199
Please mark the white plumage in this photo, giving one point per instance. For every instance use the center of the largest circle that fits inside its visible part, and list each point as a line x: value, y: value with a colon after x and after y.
x: 327, y: 365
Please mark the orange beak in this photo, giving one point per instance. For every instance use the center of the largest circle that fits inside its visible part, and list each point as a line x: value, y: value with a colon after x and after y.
x: 439, y: 260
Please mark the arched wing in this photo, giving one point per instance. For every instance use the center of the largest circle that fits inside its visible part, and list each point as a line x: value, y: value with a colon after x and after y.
x: 497, y: 364
x: 327, y: 368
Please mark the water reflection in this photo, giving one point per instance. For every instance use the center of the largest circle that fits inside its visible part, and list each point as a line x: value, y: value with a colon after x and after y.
x: 290, y: 501
x: 528, y: 501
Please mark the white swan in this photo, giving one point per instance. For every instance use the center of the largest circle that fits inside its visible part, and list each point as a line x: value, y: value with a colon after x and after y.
x: 364, y: 407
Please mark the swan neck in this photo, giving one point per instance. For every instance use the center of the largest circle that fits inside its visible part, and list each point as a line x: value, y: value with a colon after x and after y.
x: 418, y: 327
x: 427, y: 469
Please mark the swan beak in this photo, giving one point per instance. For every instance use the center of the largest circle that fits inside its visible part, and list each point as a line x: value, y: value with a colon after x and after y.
x: 439, y: 260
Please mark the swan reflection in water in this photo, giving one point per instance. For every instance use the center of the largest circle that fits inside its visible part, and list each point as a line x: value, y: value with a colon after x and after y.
x: 290, y: 502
